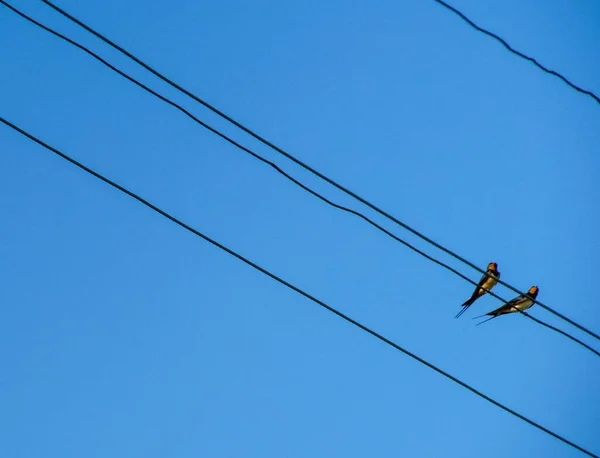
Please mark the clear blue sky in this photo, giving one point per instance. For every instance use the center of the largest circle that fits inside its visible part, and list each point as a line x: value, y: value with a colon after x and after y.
x: 122, y: 335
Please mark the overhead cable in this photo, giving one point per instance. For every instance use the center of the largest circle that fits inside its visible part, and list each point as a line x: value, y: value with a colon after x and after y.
x: 504, y: 43
x: 280, y: 150
x: 296, y: 289
x: 286, y: 175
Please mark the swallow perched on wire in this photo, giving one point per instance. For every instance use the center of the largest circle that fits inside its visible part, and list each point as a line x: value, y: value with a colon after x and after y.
x: 487, y: 282
x: 519, y: 304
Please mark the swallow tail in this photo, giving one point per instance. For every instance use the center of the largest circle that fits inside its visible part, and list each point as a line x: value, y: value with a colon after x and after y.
x: 484, y: 321
x: 491, y: 315
x: 466, y: 305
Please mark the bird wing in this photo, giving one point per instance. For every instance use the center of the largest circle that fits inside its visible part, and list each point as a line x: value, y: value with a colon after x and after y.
x: 508, y: 307
x: 484, y: 278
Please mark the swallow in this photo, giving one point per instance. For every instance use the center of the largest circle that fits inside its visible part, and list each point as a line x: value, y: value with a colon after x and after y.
x: 487, y: 282
x: 518, y: 304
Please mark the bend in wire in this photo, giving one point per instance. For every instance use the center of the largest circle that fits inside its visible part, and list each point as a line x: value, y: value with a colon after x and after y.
x: 504, y: 43
x: 319, y: 174
x: 278, y: 169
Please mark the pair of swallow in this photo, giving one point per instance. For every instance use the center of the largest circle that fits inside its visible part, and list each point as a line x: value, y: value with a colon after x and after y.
x: 485, y: 285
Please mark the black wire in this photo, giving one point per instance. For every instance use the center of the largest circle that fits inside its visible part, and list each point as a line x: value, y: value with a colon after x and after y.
x: 509, y: 48
x: 276, y: 148
x: 286, y: 175
x: 289, y: 285
x: 561, y: 332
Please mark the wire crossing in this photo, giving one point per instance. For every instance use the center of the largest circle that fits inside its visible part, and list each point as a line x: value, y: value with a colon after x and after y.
x: 291, y: 286
x: 278, y: 149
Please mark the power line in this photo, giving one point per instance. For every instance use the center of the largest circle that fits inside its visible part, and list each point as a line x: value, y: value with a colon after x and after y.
x: 508, y: 47
x: 555, y: 329
x: 289, y: 285
x: 279, y: 170
x: 292, y: 179
x: 272, y: 146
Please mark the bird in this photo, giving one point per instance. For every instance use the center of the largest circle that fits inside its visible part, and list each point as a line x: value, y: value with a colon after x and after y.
x: 518, y: 304
x: 487, y: 282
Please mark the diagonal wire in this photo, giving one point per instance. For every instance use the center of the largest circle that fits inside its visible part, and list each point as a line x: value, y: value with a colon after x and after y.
x: 284, y: 153
x: 553, y: 328
x: 279, y: 170
x: 510, y: 49
x: 291, y: 286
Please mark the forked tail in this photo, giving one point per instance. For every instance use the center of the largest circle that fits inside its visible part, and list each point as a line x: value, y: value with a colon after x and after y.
x: 465, y: 306
x: 484, y: 321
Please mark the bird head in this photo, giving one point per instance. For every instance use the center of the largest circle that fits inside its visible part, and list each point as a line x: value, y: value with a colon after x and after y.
x: 493, y: 267
x: 533, y: 291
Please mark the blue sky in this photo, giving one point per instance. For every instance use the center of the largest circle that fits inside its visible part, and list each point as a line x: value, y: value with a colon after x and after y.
x: 122, y: 335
